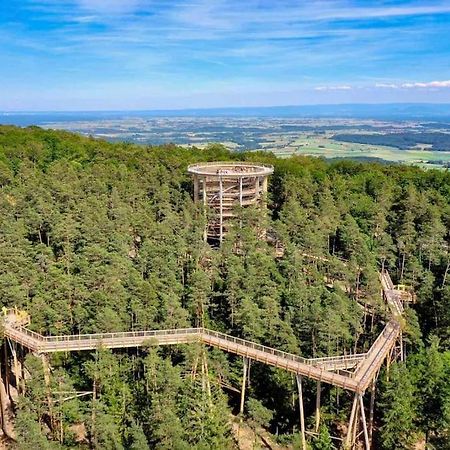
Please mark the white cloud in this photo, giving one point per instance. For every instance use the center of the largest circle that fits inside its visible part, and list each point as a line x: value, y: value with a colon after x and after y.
x: 387, y: 85
x: 415, y: 85
x: 333, y: 88
x: 439, y: 84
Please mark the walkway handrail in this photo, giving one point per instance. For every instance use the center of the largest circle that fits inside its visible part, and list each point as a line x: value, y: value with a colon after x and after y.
x: 256, y: 346
x: 316, y: 368
x: 387, y: 279
x: 389, y: 340
x: 121, y: 334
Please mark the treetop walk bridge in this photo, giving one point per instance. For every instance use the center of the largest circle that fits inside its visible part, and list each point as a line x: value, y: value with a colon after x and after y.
x: 354, y: 372
x: 316, y: 368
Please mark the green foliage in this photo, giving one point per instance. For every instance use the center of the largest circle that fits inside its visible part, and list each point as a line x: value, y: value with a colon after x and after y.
x: 399, y: 409
x: 105, y: 237
x: 323, y: 440
x: 258, y: 413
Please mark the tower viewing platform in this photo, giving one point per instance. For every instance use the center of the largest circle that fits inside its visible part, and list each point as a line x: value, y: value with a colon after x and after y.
x: 223, y: 186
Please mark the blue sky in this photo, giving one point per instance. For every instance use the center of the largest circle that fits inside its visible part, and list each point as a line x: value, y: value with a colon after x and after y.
x: 153, y: 54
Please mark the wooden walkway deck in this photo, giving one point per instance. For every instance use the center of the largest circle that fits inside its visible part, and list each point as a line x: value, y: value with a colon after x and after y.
x: 332, y: 370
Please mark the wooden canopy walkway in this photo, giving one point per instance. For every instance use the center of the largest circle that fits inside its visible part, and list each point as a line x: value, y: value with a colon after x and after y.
x: 356, y: 373
x: 333, y: 370
x: 316, y: 368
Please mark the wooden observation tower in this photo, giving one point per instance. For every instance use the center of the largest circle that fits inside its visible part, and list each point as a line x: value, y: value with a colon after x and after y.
x: 222, y: 187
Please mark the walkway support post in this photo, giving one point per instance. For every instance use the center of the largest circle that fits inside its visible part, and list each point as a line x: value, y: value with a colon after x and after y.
x: 364, y: 424
x: 46, y: 369
x: 351, y: 425
x: 244, y: 383
x: 16, y: 365
x: 372, y: 404
x: 22, y: 369
x: 318, y: 392
x: 355, y: 425
x: 388, y: 363
x: 302, y: 412
x: 402, y: 356
x: 6, y: 362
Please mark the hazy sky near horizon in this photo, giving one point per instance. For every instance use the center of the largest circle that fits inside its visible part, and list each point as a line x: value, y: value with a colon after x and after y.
x: 158, y: 54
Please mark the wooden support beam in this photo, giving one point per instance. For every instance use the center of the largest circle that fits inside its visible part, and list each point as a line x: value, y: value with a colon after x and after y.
x: 6, y: 412
x: 302, y: 411
x: 388, y: 364
x: 355, y: 433
x: 364, y: 424
x: 372, y: 404
x: 244, y: 383
x: 205, y: 372
x: 240, y: 191
x: 205, y: 204
x: 400, y: 338
x: 264, y: 189
x: 16, y: 364
x: 22, y: 368
x: 351, y: 425
x: 220, y: 209
x: 46, y: 370
x: 6, y: 362
x: 318, y: 392
x: 196, y: 190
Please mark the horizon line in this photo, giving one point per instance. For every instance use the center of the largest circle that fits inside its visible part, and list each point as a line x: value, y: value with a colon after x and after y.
x: 212, y: 108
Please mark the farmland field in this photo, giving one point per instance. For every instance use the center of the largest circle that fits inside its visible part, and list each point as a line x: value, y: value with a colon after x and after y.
x: 419, y: 142
x: 323, y: 146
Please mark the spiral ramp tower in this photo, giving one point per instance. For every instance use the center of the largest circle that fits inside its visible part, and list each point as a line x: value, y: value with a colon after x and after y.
x: 222, y: 187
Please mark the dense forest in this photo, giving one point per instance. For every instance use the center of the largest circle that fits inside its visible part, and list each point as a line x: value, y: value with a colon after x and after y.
x: 97, y: 236
x: 403, y: 140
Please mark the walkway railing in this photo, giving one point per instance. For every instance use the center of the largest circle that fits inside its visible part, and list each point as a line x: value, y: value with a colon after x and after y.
x: 393, y: 297
x: 46, y: 344
x: 321, y: 369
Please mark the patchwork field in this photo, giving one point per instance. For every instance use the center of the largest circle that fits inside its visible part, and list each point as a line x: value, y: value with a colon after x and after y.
x: 424, y: 143
x: 324, y: 146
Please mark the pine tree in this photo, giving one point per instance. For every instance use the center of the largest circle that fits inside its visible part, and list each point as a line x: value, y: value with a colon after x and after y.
x: 399, y: 409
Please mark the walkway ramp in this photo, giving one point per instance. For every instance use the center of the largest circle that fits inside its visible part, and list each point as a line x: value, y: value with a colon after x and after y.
x: 316, y: 368
x: 333, y: 370
x: 392, y: 296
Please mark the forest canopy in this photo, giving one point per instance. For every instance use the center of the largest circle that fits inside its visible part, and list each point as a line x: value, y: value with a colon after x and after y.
x: 102, y: 237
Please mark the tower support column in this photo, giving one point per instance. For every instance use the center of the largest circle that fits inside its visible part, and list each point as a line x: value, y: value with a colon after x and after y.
x: 196, y: 188
x: 220, y: 209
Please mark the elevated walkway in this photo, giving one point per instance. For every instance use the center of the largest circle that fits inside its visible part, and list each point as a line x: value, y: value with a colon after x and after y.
x: 333, y: 370
x: 314, y: 368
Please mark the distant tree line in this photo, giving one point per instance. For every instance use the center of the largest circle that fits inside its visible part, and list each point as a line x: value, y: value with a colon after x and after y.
x: 402, y: 140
